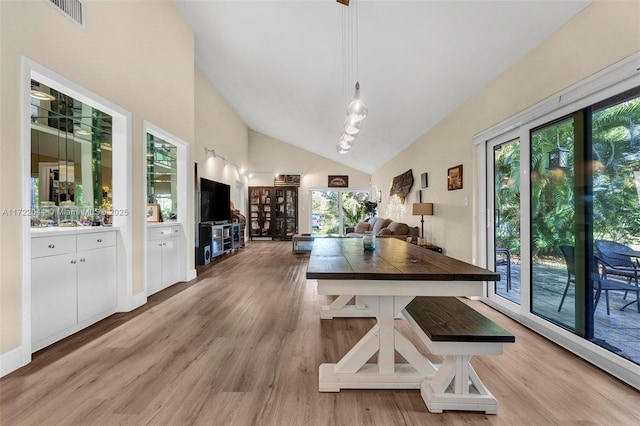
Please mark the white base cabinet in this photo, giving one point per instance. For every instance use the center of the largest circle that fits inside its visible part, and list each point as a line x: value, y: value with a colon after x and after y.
x: 164, y: 257
x: 73, y: 283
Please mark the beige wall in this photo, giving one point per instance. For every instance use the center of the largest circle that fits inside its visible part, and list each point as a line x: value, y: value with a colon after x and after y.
x: 218, y: 127
x: 136, y: 54
x: 602, y: 34
x: 268, y: 156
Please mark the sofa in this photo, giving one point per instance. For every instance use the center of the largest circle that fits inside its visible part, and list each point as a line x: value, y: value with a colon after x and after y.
x: 384, y: 228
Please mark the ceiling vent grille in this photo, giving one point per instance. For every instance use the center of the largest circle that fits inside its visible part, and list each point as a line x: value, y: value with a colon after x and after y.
x: 74, y: 9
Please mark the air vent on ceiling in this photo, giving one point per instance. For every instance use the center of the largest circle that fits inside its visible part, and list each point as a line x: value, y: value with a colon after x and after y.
x: 74, y: 9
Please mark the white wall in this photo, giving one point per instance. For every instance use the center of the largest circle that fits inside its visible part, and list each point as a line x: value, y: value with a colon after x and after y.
x: 602, y: 34
x: 268, y: 156
x: 218, y: 127
x: 116, y: 57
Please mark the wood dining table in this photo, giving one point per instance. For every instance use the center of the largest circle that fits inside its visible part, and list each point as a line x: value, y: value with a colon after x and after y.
x: 385, y: 281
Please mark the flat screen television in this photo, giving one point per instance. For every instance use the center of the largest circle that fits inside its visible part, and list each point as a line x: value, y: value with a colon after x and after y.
x: 215, y: 199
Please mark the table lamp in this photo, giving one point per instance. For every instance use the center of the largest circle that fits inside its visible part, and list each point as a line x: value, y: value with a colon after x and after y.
x: 422, y: 210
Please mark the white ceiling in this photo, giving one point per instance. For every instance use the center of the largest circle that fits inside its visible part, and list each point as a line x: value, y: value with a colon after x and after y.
x: 279, y: 64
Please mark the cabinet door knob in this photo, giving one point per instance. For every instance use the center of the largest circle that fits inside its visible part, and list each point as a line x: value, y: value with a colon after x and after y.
x: 99, y: 240
x: 73, y: 261
x: 160, y: 244
x: 164, y: 244
x: 52, y: 245
x: 82, y: 259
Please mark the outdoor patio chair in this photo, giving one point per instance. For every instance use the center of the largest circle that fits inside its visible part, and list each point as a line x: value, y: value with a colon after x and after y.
x: 606, y: 284
x: 569, y: 259
x: 504, y: 260
x: 618, y: 264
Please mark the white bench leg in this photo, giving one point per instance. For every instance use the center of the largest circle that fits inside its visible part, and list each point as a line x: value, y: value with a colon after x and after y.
x: 456, y: 386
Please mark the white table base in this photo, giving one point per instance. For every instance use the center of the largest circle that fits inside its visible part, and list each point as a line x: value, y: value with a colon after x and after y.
x: 352, y: 371
x: 454, y: 385
x: 341, y: 308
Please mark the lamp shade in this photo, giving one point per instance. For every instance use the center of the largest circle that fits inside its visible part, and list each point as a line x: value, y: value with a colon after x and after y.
x: 423, y: 209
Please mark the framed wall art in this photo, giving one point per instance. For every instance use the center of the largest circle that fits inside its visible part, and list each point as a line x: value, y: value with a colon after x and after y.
x: 153, y: 213
x: 454, y: 178
x: 338, y: 181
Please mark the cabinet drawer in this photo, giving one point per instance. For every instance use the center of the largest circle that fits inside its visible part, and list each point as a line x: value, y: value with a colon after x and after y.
x: 52, y: 245
x: 159, y: 233
x: 96, y: 240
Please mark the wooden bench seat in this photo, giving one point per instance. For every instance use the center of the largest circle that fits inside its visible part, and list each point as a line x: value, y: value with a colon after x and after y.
x: 450, y: 328
x: 447, y: 319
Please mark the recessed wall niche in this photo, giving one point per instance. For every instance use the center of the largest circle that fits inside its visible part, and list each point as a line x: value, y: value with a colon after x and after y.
x: 71, y: 151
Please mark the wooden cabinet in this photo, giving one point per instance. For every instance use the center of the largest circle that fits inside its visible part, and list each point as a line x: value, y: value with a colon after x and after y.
x: 273, y: 211
x: 260, y: 211
x: 286, y: 212
x: 164, y: 257
x: 73, y: 283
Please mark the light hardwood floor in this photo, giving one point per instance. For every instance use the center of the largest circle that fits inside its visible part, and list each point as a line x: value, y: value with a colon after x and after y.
x: 242, y: 344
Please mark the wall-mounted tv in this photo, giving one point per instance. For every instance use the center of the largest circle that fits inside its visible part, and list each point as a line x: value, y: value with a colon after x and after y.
x: 215, y: 199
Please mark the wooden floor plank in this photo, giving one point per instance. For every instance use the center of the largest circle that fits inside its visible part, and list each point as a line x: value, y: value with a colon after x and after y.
x: 242, y: 344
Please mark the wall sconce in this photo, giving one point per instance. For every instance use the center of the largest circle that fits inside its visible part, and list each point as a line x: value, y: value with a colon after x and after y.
x: 211, y: 152
x: 422, y: 210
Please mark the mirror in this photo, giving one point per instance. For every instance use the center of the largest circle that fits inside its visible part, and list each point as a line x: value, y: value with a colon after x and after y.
x: 71, y: 159
x: 162, y: 176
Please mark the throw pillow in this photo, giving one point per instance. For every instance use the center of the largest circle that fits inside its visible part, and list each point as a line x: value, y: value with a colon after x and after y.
x: 385, y: 231
x: 380, y: 223
x: 398, y: 228
x: 361, y: 227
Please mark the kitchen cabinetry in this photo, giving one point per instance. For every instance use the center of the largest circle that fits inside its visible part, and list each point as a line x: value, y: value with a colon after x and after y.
x: 273, y: 211
x: 164, y: 257
x: 73, y: 283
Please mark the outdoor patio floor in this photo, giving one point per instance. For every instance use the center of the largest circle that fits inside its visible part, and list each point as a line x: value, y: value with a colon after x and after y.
x: 618, y: 332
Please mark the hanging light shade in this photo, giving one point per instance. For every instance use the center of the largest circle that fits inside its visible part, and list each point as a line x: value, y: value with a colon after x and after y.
x: 351, y: 126
x: 558, y: 159
x: 357, y: 109
x: 346, y: 141
x: 342, y: 150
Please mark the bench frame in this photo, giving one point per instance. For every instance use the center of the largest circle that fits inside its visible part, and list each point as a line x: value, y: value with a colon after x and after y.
x: 456, y: 385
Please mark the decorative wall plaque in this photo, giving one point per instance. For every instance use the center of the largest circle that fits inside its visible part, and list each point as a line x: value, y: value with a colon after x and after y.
x: 338, y: 181
x: 286, y: 180
x: 401, y: 185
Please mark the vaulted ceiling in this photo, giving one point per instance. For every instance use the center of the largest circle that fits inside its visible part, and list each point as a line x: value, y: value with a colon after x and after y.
x: 280, y: 64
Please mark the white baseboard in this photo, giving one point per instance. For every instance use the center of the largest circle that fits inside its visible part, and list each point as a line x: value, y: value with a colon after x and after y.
x: 14, y: 359
x: 191, y: 275
x: 136, y: 301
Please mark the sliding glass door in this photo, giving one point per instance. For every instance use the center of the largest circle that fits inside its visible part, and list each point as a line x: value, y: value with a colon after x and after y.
x: 615, y: 151
x: 578, y: 266
x: 553, y: 223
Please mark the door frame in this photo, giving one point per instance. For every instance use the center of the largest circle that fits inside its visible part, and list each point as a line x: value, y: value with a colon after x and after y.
x: 525, y: 252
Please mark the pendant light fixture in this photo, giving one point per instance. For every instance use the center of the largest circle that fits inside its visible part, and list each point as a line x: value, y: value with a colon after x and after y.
x: 356, y: 110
